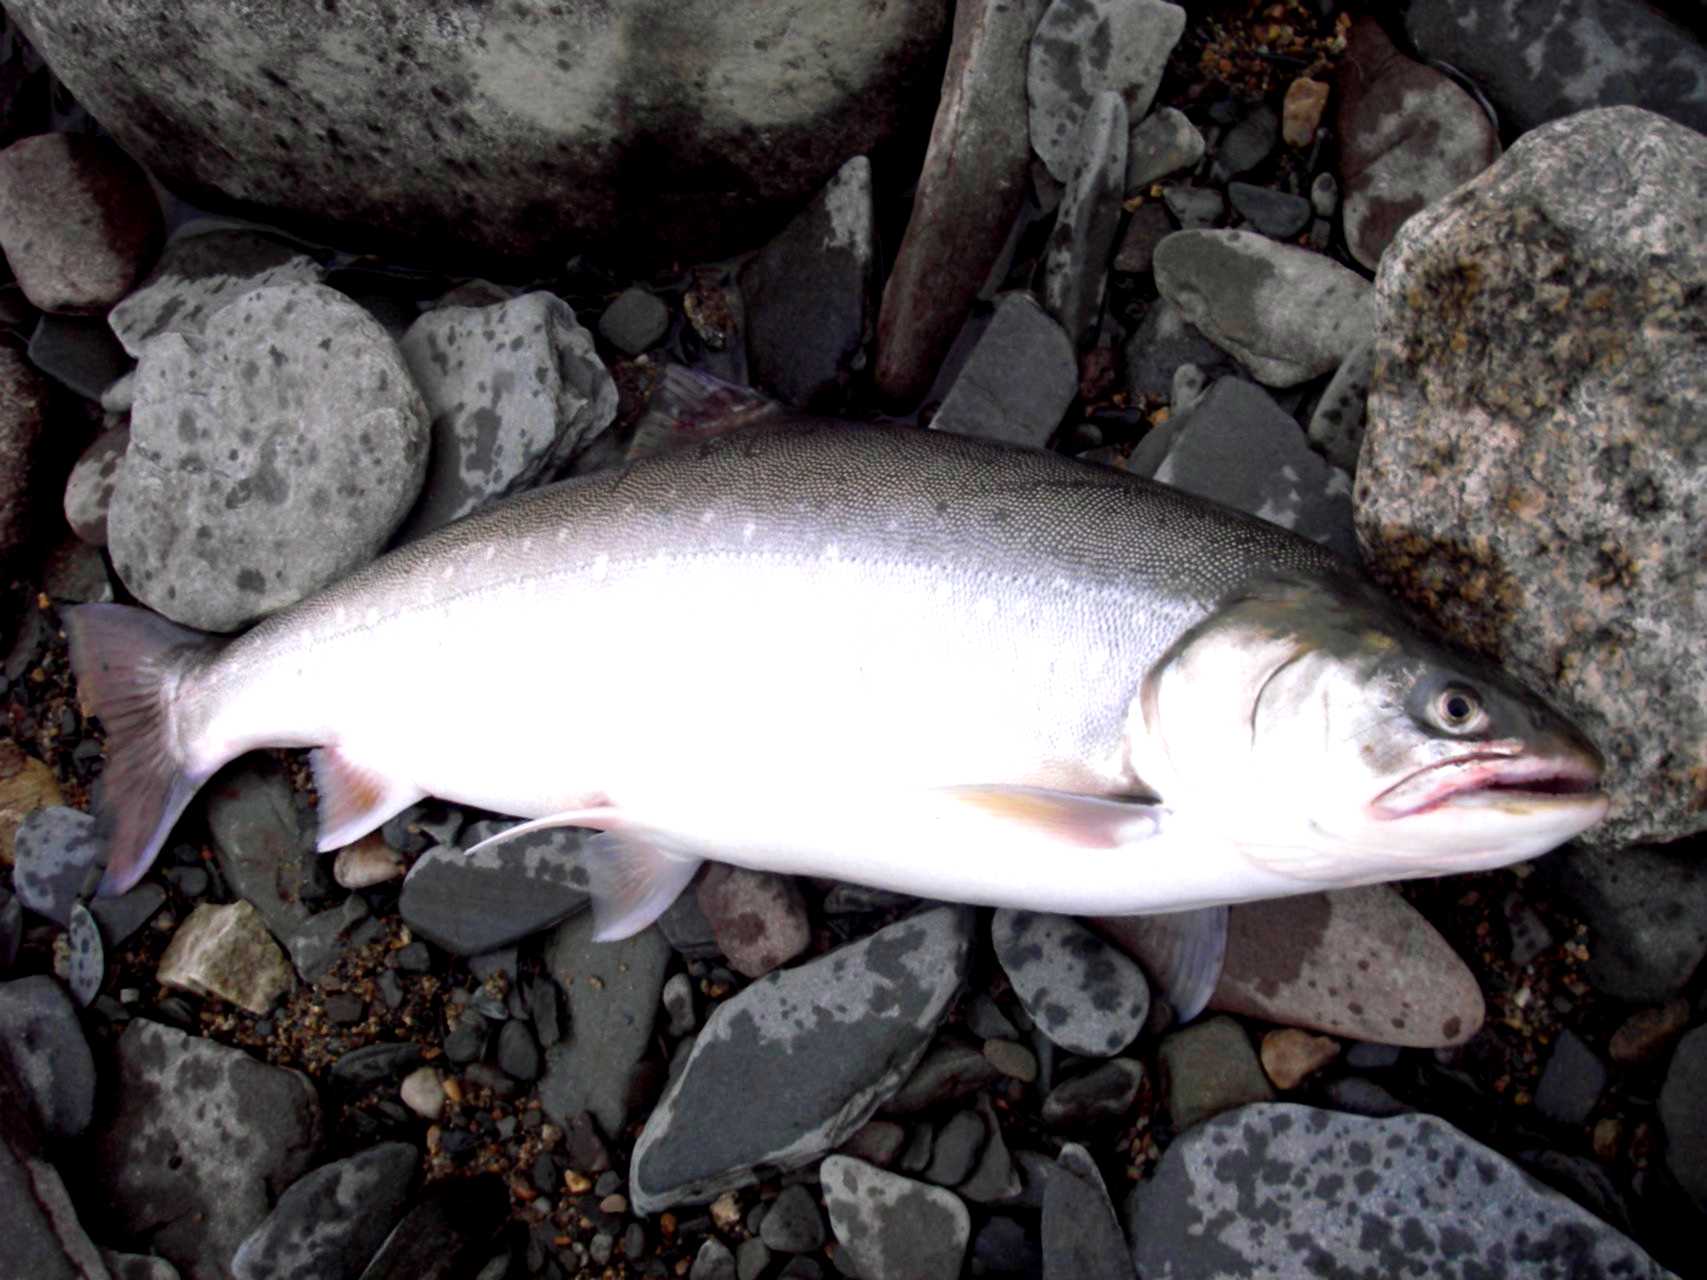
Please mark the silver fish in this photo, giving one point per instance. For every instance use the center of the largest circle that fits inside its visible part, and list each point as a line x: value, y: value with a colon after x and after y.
x: 888, y: 655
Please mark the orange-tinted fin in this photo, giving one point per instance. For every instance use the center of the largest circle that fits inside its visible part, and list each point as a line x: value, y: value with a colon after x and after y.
x: 354, y: 798
x: 128, y: 661
x: 1086, y: 821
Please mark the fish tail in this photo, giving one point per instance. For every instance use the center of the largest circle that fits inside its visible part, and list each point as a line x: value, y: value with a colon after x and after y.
x: 128, y: 664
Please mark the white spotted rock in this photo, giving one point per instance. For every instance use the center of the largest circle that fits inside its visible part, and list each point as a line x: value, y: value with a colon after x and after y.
x: 1084, y: 994
x: 888, y: 1225
x: 330, y: 1222
x: 89, y: 491
x: 1075, y: 265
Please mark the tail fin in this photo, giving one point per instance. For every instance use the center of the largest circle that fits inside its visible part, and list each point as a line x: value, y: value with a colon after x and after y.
x: 128, y: 662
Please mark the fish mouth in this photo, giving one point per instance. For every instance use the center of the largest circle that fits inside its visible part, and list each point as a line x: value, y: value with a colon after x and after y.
x: 1499, y: 775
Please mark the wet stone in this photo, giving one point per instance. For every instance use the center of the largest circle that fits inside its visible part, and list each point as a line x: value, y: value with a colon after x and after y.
x: 447, y: 1232
x: 1210, y: 1068
x: 751, y: 1259
x: 1165, y: 344
x: 1085, y: 995
x: 792, y: 1223
x: 1647, y: 910
x: 876, y: 1142
x: 1080, y: 1233
x: 331, y: 1221
x: 758, y: 918
x: 1102, y: 1095
x: 1572, y: 1081
x: 119, y: 918
x: 88, y: 963
x: 43, y: 1046
x: 53, y: 853
x: 473, y: 903
x: 317, y: 942
x: 890, y: 1225
x: 713, y: 1262
x: 44, y: 1240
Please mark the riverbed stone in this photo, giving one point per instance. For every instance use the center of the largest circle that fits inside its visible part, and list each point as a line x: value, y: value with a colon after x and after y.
x: 331, y: 1221
x: 1017, y: 383
x: 226, y: 951
x: 889, y: 1225
x: 89, y: 490
x: 473, y: 903
x: 758, y: 917
x: 1075, y: 264
x: 54, y: 852
x: 44, y: 1048
x: 1083, y: 993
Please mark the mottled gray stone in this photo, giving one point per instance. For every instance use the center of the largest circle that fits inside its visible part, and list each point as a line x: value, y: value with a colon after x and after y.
x: 1102, y: 1095
x: 1533, y: 469
x: 1018, y: 381
x: 53, y: 852
x: 1082, y: 47
x: 1075, y: 265
x: 892, y: 1226
x: 1085, y: 995
x: 1274, y: 213
x: 473, y: 903
x: 836, y: 1037
x: 1290, y: 1192
x: 1336, y: 427
x: 1081, y: 1234
x: 198, y: 274
x: 268, y: 457
x: 758, y: 918
x: 1195, y: 208
x: 792, y: 1223
x: 89, y: 490
x: 1210, y: 1068
x: 331, y: 1221
x: 201, y: 1138
x: 86, y: 956
x: 679, y: 1004
x: 44, y: 1048
x: 612, y: 990
x: 514, y: 392
x: 635, y: 321
x: 1287, y: 314
x: 1164, y: 343
x: 1162, y: 143
x: 316, y: 944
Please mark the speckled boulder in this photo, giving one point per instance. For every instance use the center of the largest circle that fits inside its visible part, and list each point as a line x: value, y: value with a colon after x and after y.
x: 1289, y: 1192
x: 268, y: 458
x: 1084, y: 994
x: 532, y: 128
x: 1533, y: 471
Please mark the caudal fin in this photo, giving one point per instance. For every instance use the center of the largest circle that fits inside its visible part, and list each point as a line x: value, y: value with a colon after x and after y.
x: 128, y: 662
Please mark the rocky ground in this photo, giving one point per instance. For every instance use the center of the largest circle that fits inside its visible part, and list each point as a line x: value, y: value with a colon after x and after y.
x: 402, y: 1061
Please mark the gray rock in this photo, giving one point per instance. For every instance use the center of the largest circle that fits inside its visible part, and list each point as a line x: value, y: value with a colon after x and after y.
x: 137, y: 1266
x: 44, y: 1240
x: 1145, y: 229
x: 473, y: 903
x: 1002, y: 1247
x: 892, y: 1226
x: 1195, y: 208
x: 1084, y: 994
x: 1362, y: 1097
x: 1572, y: 1081
x: 226, y: 951
x: 946, y: 1074
x: 1164, y: 343
x: 532, y: 131
x: 1325, y: 194
x: 200, y: 1139
x: 1408, y: 135
x: 1683, y: 1112
x: 970, y: 191
x: 758, y: 918
x: 1081, y: 48
x: 994, y: 1179
x: 678, y: 1004
x: 373, y: 1063
x: 75, y: 573
x: 876, y: 1142
x: 318, y: 941
x: 1210, y: 1068
x: 1287, y: 314
x: 518, y: 1052
x: 751, y: 1259
x: 54, y: 852
x: 1238, y: 447
x: 78, y: 221
x: 200, y: 273
x: 330, y: 1222
x: 1248, y: 143
x: 1289, y: 1191
x: 44, y: 1049
x: 514, y: 392
x: 1274, y: 213
x: 23, y: 415
x: 267, y: 458
x: 1336, y: 427
x: 1101, y: 1096
x: 635, y: 321
x: 1081, y: 1234
x: 836, y: 1036
x: 1019, y: 380
x: 689, y: 932
x: 1532, y: 475
x: 612, y: 990
x: 1075, y: 265
x: 955, y: 1149
x: 1162, y: 143
x: 810, y: 310
x: 713, y: 1261
x: 11, y: 928
x: 1538, y: 64
x: 78, y: 352
x: 262, y: 841
x: 86, y: 963
x: 792, y: 1223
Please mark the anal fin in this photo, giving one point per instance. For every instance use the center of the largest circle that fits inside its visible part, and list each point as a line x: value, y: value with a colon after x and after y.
x: 354, y: 798
x: 635, y: 877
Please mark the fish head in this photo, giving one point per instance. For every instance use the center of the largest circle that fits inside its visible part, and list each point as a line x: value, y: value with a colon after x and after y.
x: 1334, y: 741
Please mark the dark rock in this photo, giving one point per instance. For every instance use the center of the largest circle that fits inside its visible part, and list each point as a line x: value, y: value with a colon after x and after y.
x: 80, y: 353
x: 319, y: 940
x: 122, y: 916
x: 1163, y: 344
x: 1274, y: 213
x: 86, y: 965
x: 468, y: 1039
x: 792, y: 1223
x: 1144, y: 231
x: 1683, y: 1112
x: 374, y: 1063
x: 43, y: 1047
x: 1572, y: 1081
x: 330, y: 1222
x: 518, y: 1053
x: 889, y: 1225
x: 1647, y: 909
x: 876, y: 1142
x: 545, y: 1007
x: 1336, y: 427
x: 445, y: 1234
x: 1162, y: 143
x: 994, y: 1179
x: 946, y: 1074
x: 1019, y: 380
x: 1003, y: 1247
x: 23, y: 415
x: 1210, y: 1068
x: 261, y: 840
x: 1103, y: 1095
x: 44, y: 1240
x: 713, y: 1261
x: 1081, y: 1235
x: 1085, y: 995
x: 473, y: 903
x: 1248, y: 143
x: 1195, y: 208
x: 955, y: 1149
x: 635, y: 321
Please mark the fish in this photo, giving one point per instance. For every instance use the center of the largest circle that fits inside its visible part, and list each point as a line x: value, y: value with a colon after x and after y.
x: 875, y: 652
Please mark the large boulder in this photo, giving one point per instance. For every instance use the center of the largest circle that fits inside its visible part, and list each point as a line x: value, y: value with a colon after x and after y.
x: 531, y: 128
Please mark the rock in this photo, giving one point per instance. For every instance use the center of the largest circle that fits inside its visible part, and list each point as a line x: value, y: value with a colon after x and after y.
x: 792, y: 1223
x: 80, y: 353
x: 1001, y: 1247
x: 226, y: 951
x: 200, y: 273
x: 446, y: 1234
x: 758, y: 918
x: 200, y: 1138
x: 679, y: 1005
x: 56, y: 857
x: 1101, y: 1096
x: 1408, y: 135
x: 1647, y: 1033
x: 44, y: 1240
x: 892, y: 1226
x: 1238, y: 447
x: 1291, y: 1056
x: 331, y: 1222
x: 836, y: 1036
x: 1081, y: 1234
x: 514, y: 391
x: 532, y: 132
x: 1195, y: 208
x: 612, y: 990
x: 1075, y: 264
x: 43, y: 1048
x: 1209, y: 1068
x: 1162, y: 143
x: 955, y: 1149
x: 1080, y: 49
x: 518, y: 1051
x: 1019, y: 380
x: 78, y: 221
x: 319, y: 940
x: 472, y: 903
x: 1012, y: 1059
x: 367, y: 862
x: 946, y: 1074
x: 1571, y: 1083
x: 1324, y: 194
x: 11, y: 929
x: 423, y: 1092
x: 635, y: 321
x: 1683, y: 1112
x: 26, y: 786
x: 268, y: 458
x: 136, y: 1266
x: 86, y: 962
x: 1288, y: 1191
x: 1274, y: 213
x: 1085, y: 995
x: 1538, y: 66
x: 1163, y: 344
x: 1362, y: 1097
x: 1145, y: 229
x: 374, y: 1064
x: 1531, y: 476
x: 1248, y: 143
x: 1287, y: 314
x: 1336, y: 427
x: 970, y: 190
x: 809, y: 295
x: 23, y: 410
x: 261, y: 840
x: 75, y: 573
x: 1301, y: 112
x: 994, y: 1179
x: 713, y: 1261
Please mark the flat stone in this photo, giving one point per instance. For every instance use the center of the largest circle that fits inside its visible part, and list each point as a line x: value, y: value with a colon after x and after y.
x: 1162, y: 143
x: 1018, y: 381
x: 1248, y: 143
x: 612, y: 990
x: 861, y: 1016
x: 86, y: 956
x: 635, y: 321
x: 1532, y: 471
x: 367, y: 862
x: 955, y: 1149
x: 1081, y: 1234
x: 514, y: 392
x: 1084, y: 994
x: 1288, y: 1191
x: 949, y: 1072
x: 226, y: 951
x: 269, y: 457
x: 1683, y: 1112
x: 472, y: 903
x: 1101, y: 1096
x: 1075, y: 264
x: 78, y: 352
x: 1287, y: 314
x: 994, y: 1179
x: 54, y: 852
x: 318, y: 942
x: 43, y: 1047
x: 758, y: 918
x: 1278, y: 214
x: 1195, y: 208
x: 1336, y: 427
x: 1164, y: 343
x: 330, y: 1222
x: 892, y: 1226
x: 1210, y: 1068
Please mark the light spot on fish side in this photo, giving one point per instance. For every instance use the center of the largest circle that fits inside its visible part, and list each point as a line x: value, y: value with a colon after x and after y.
x: 601, y: 567
x: 491, y: 551
x: 986, y: 609
x: 340, y: 614
x: 563, y: 534
x: 450, y: 572
x: 372, y: 617
x: 527, y: 545
x: 748, y: 530
x: 832, y: 552
x: 707, y: 516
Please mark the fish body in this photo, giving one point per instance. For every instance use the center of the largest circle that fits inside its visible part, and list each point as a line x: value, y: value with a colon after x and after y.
x: 894, y: 656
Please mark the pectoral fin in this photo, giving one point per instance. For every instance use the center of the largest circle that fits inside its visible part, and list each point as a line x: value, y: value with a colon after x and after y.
x: 1181, y: 951
x: 354, y: 798
x: 1086, y: 821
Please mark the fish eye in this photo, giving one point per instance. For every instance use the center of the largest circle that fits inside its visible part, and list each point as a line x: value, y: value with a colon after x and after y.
x: 1458, y: 709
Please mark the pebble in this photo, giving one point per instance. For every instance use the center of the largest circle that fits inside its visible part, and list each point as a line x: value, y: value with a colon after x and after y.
x: 89, y: 491
x: 1085, y: 995
x: 80, y: 353
x: 994, y: 1179
x: 1016, y: 385
x: 447, y: 1232
x: 1336, y: 427
x: 1195, y: 208
x: 518, y: 1052
x: 545, y: 1008
x: 757, y: 917
x: 1248, y: 143
x: 44, y: 1049
x: 1301, y: 112
x: 876, y: 1142
x: 423, y: 1092
x: 1571, y: 1083
x: 1209, y: 1068
x: 1075, y: 263
x: 713, y: 1261
x: 54, y: 851
x: 1145, y: 229
x: 792, y: 1223
x: 1013, y: 1060
x: 955, y: 1149
x: 1683, y: 1112
x: 1081, y: 1235
x: 1162, y: 143
x: 375, y: 1063
x: 473, y: 903
x: 1361, y: 1097
x: 635, y: 321
x: 1102, y: 1095
x: 87, y: 965
x: 262, y: 842
x: 752, y: 1259
x: 949, y: 1072
x: 1290, y: 1056
x: 891, y: 1226
x: 317, y: 943
x: 679, y: 1005
x: 226, y: 951
x: 1164, y: 345
x: 1274, y: 213
x: 468, y: 1038
x: 367, y: 862
x: 1647, y: 1033
x: 331, y: 1221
